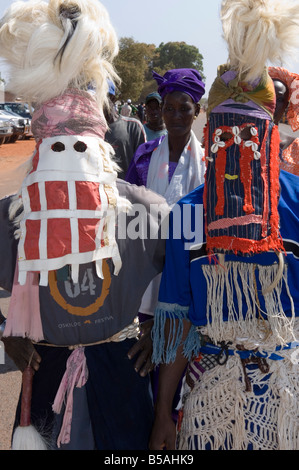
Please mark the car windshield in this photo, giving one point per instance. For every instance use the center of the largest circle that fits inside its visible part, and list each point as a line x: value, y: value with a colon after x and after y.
x: 18, y: 108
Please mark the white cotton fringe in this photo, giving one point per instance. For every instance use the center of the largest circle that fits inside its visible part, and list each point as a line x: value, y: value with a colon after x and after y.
x: 251, y: 315
x: 28, y: 438
x: 219, y: 414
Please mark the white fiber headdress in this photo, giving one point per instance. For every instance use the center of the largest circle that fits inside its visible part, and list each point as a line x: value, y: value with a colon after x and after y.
x: 55, y: 51
x: 258, y: 32
x: 51, y: 46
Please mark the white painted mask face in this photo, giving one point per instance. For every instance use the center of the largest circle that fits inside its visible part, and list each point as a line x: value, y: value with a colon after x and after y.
x: 69, y: 200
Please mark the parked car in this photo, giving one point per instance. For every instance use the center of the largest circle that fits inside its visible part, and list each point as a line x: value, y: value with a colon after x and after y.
x: 21, y: 109
x: 6, y: 130
x: 18, y: 124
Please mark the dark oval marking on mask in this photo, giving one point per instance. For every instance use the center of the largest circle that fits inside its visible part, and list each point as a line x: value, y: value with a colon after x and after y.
x: 80, y: 146
x: 58, y: 147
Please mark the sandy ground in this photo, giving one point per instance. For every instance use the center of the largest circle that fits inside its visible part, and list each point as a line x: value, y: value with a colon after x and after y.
x: 13, y: 158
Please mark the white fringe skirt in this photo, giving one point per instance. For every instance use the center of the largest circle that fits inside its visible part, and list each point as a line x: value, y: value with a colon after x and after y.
x: 220, y: 412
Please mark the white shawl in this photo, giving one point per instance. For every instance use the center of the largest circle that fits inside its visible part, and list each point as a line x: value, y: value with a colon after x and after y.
x: 188, y: 174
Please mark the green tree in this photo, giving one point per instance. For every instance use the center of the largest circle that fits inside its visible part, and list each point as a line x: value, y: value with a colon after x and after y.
x: 132, y: 64
x: 176, y: 55
x: 136, y: 61
x: 173, y: 55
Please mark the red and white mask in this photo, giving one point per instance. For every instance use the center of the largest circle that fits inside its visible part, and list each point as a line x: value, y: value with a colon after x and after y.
x: 69, y: 200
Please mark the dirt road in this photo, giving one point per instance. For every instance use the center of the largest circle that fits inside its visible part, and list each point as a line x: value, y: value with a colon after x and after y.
x: 13, y: 158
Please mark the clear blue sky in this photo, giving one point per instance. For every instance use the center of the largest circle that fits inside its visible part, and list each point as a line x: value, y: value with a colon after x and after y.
x: 194, y: 21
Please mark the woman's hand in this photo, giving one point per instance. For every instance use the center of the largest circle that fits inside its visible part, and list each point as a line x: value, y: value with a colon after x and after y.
x: 163, y: 436
x: 143, y: 347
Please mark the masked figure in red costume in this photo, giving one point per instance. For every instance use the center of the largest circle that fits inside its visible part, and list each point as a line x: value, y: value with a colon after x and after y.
x: 71, y: 263
x: 228, y: 306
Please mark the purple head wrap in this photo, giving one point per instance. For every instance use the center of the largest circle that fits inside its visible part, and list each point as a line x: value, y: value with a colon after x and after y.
x: 186, y: 80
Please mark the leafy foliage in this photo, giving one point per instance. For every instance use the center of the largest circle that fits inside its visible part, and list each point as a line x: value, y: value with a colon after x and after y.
x: 136, y: 61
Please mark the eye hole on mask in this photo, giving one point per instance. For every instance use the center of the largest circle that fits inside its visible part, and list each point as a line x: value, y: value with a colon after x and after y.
x: 80, y: 146
x: 58, y: 147
x: 225, y: 136
x: 246, y: 133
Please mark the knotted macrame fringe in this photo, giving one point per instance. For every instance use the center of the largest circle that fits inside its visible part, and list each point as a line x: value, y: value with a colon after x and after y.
x: 218, y: 414
x: 235, y: 284
x: 166, y: 352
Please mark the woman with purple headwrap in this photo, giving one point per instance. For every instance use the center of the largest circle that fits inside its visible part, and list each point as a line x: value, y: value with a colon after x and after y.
x: 156, y: 162
x: 171, y: 165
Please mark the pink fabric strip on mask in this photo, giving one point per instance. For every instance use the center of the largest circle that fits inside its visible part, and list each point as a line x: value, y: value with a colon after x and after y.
x: 23, y: 317
x: 73, y: 113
